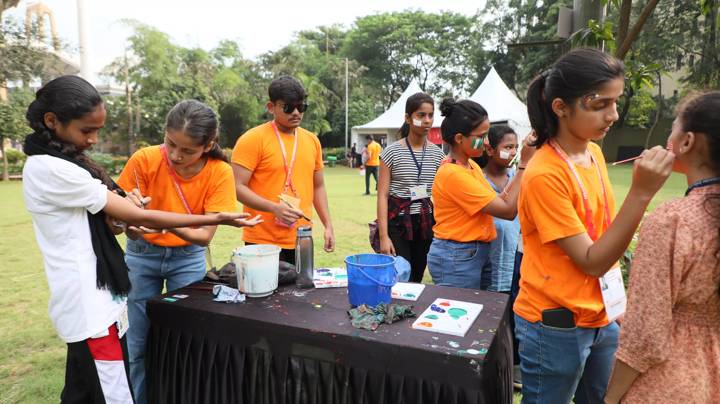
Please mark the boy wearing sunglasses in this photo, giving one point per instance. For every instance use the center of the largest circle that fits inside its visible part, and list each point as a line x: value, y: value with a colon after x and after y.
x: 278, y: 172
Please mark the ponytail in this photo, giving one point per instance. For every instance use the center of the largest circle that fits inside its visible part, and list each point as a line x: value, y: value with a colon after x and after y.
x: 698, y: 113
x: 542, y: 118
x: 404, y: 130
x: 217, y: 153
x: 576, y: 74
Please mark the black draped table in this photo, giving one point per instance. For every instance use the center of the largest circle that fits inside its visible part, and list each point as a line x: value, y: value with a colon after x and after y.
x: 298, y: 346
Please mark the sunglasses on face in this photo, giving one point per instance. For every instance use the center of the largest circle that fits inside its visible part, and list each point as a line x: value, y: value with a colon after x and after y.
x: 289, y: 108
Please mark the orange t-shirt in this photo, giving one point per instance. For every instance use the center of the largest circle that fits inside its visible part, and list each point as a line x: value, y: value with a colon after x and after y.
x: 550, y: 208
x: 210, y: 190
x: 373, y: 149
x: 258, y: 150
x: 458, y: 195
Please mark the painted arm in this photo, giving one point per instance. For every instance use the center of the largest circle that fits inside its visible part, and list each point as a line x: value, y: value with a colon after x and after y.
x: 200, y: 236
x: 122, y: 209
x: 321, y: 207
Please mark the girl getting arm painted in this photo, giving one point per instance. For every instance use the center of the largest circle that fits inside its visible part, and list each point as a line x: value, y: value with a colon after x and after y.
x: 68, y: 195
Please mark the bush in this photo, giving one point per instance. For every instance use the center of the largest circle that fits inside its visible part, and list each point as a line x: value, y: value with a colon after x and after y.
x: 15, y: 157
x: 112, y: 164
x: 338, y: 152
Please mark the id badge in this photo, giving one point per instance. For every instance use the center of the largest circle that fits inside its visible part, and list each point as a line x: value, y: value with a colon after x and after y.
x: 418, y: 192
x: 613, y: 293
x: 123, y: 323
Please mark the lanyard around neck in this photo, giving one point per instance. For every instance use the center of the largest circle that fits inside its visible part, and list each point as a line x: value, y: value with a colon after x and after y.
x: 702, y: 183
x: 422, y: 158
x: 175, y: 179
x: 288, y: 168
x: 589, y: 223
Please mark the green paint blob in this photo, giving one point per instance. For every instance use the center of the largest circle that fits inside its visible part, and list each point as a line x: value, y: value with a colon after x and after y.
x: 409, y: 295
x: 432, y: 316
x: 457, y: 313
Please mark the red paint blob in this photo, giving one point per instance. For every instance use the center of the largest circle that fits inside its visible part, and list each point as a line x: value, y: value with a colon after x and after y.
x: 446, y: 304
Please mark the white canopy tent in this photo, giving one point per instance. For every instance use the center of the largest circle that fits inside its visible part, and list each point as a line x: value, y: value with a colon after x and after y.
x: 493, y: 94
x: 502, y: 105
x: 386, y: 125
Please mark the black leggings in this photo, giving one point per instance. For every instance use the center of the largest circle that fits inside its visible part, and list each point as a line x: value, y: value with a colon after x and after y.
x: 415, y: 251
x: 370, y: 170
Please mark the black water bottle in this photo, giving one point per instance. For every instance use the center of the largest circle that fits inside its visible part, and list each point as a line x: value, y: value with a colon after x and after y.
x: 304, y: 259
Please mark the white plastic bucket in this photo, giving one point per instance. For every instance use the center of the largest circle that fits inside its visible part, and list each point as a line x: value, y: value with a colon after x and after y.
x: 256, y: 267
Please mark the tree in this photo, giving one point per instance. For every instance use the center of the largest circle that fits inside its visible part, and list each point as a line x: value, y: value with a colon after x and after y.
x: 399, y: 47
x: 521, y: 39
x: 12, y: 121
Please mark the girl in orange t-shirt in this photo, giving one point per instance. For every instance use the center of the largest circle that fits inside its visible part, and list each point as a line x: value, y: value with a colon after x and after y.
x: 464, y: 202
x: 188, y: 173
x: 566, y: 207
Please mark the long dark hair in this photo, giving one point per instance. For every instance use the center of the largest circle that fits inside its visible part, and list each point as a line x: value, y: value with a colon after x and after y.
x: 413, y: 103
x: 199, y: 122
x: 460, y: 117
x: 68, y: 97
x: 576, y: 74
x: 698, y: 113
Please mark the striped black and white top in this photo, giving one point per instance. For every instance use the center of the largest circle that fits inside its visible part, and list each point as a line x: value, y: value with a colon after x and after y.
x: 404, y: 172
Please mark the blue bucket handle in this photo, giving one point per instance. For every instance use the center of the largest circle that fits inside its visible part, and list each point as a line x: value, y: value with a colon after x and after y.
x: 377, y: 281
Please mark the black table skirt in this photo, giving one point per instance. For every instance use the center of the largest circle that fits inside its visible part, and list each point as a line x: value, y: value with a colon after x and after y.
x: 204, y: 352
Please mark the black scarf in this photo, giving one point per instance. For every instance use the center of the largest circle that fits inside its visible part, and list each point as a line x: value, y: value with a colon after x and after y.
x: 112, y: 272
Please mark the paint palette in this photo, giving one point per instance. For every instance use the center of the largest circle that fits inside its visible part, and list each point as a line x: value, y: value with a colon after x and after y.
x: 407, y: 291
x: 447, y: 316
x: 330, y: 278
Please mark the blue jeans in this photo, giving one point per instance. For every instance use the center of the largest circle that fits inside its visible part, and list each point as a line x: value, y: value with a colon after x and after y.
x: 150, y: 266
x: 561, y: 364
x: 452, y: 263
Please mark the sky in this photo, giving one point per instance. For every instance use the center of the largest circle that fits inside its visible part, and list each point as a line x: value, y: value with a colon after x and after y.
x: 258, y: 26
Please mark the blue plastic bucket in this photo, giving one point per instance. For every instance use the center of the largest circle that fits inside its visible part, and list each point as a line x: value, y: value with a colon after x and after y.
x: 370, y: 278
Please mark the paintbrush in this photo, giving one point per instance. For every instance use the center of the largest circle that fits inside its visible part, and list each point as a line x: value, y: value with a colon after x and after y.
x: 137, y: 185
x: 668, y: 147
x: 290, y: 205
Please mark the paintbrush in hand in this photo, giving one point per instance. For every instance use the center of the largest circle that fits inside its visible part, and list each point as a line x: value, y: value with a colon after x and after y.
x: 291, y: 205
x: 668, y: 147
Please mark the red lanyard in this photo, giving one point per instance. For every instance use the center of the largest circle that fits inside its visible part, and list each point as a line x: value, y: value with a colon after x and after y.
x: 586, y: 203
x: 174, y: 177
x: 288, y: 169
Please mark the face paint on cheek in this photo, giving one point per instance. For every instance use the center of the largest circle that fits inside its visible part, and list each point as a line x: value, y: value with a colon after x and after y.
x: 476, y: 144
x: 504, y: 154
x: 417, y: 122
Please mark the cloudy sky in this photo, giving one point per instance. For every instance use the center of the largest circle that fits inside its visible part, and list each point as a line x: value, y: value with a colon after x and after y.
x: 258, y: 26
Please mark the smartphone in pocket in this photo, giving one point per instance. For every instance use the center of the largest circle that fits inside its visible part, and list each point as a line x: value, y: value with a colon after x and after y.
x: 558, y: 318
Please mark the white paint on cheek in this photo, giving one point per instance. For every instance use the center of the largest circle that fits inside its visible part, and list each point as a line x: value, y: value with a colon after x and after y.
x: 417, y: 122
x: 504, y: 155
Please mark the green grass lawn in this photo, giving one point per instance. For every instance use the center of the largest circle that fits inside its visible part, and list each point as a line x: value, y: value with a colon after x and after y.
x: 32, y: 357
